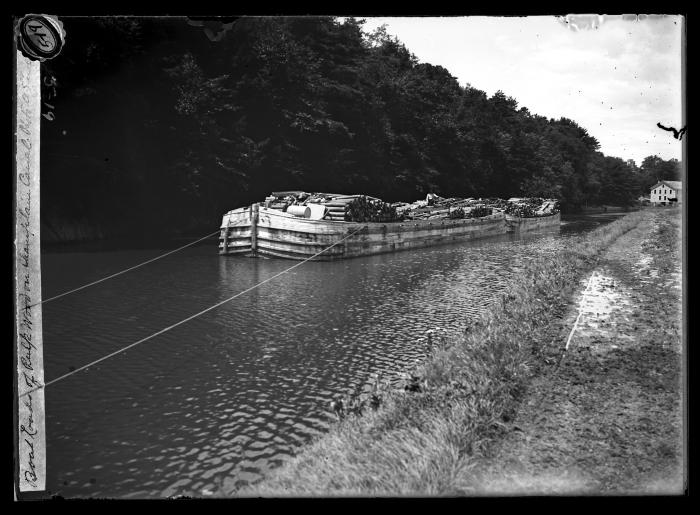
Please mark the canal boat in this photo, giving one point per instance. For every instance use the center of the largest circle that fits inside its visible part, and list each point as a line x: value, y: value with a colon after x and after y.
x: 304, y: 232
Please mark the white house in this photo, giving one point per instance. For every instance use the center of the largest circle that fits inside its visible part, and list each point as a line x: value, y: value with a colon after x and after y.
x: 665, y: 192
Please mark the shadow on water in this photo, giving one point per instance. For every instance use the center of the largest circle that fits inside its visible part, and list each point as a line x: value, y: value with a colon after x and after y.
x: 217, y: 401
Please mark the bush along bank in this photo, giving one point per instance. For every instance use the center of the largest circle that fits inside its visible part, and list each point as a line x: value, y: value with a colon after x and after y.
x: 423, y: 439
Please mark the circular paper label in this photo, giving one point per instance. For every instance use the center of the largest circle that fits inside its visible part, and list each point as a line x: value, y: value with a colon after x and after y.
x: 40, y: 37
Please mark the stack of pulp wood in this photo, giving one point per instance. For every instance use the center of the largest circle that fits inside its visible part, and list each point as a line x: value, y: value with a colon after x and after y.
x: 435, y: 207
x: 339, y: 208
x: 363, y: 208
x: 531, y: 207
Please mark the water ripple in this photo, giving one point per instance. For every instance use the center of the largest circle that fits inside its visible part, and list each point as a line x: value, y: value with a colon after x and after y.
x: 223, y: 398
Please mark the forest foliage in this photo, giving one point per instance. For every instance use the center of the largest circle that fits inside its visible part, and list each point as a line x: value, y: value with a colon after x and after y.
x: 164, y: 124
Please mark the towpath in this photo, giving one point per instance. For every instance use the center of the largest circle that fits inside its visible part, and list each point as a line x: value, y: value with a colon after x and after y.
x: 607, y: 418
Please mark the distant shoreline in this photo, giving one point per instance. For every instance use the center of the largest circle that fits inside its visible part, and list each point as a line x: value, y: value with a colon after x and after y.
x: 117, y: 244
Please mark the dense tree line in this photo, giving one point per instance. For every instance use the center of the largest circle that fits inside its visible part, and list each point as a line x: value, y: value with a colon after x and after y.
x: 161, y: 125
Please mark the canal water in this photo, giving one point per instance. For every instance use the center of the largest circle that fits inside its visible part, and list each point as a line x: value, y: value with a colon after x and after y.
x: 214, y: 403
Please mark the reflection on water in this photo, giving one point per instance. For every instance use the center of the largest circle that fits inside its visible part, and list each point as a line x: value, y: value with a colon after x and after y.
x: 216, y: 402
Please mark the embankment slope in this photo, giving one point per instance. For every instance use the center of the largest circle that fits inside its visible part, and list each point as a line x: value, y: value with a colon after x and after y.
x: 449, y: 433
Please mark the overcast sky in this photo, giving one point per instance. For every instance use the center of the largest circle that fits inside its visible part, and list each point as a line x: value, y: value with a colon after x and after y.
x: 615, y: 77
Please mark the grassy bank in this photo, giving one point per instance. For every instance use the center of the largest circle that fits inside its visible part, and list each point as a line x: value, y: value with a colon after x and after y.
x: 608, y: 418
x: 423, y: 440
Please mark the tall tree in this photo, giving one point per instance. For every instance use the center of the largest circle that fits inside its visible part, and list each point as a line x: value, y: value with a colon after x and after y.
x: 162, y: 127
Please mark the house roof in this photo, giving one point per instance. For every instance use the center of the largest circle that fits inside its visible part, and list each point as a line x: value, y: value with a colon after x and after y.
x: 676, y: 185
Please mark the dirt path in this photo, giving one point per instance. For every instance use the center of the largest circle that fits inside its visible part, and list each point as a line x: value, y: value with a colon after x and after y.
x: 608, y: 418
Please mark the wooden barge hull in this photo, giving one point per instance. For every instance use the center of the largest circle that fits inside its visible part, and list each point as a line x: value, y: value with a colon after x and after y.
x: 265, y: 232
x: 517, y: 224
